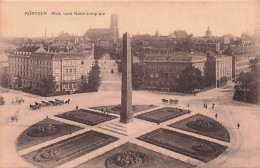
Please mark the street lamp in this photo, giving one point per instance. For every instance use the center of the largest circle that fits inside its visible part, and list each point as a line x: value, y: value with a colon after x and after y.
x: 13, y: 89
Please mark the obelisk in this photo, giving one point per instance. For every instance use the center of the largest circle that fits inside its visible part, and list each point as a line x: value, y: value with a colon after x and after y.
x: 126, y: 114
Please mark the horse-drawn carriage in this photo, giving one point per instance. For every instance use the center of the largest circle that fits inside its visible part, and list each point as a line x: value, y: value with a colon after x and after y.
x: 56, y: 102
x: 171, y: 101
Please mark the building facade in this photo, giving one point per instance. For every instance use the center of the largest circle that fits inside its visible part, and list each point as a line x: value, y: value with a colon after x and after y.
x: 165, y: 69
x: 241, y: 56
x: 27, y: 69
x: 219, y: 69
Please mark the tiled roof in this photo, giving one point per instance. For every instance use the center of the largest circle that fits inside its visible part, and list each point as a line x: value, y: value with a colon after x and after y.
x: 42, y: 55
x: 69, y: 56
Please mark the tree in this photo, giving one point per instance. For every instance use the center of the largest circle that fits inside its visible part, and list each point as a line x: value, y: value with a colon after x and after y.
x: 94, y: 80
x: 115, y: 55
x: 190, y: 79
x: 139, y: 76
x: 4, y: 81
x: 247, y: 84
x: 188, y: 44
x: 99, y: 51
x: 48, y: 86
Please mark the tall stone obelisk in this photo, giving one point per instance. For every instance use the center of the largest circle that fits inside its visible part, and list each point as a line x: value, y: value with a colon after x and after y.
x: 126, y: 114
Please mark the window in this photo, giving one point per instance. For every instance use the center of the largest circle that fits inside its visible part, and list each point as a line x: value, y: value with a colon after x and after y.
x: 56, y: 70
x: 82, y: 76
x: 81, y: 70
x: 74, y: 70
x: 70, y: 70
x: 82, y: 62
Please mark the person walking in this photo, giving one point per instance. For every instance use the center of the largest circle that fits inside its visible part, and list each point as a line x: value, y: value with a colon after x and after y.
x: 216, y: 116
x: 238, y: 125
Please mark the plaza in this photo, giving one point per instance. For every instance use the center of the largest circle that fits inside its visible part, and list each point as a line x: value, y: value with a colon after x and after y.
x: 53, y: 132
x: 242, y: 141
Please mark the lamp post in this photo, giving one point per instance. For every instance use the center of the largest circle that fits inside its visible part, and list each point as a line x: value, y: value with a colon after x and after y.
x: 13, y: 89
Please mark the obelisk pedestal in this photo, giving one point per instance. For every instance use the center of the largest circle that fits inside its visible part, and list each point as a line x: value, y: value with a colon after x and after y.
x: 126, y: 114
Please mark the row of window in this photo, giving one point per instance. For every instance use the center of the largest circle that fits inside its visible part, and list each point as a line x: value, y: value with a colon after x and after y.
x: 69, y: 70
x: 163, y: 83
x: 40, y: 62
x: 166, y: 67
x: 164, y: 75
x: 224, y: 73
x: 224, y: 64
x: 69, y: 77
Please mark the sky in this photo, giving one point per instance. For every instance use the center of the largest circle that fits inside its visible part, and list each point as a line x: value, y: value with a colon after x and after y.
x: 223, y: 17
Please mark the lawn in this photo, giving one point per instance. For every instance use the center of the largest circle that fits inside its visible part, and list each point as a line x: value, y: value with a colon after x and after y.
x: 24, y: 140
x: 86, y: 116
x: 116, y: 109
x: 218, y: 131
x: 150, y: 159
x: 184, y: 144
x: 162, y: 115
x: 66, y: 150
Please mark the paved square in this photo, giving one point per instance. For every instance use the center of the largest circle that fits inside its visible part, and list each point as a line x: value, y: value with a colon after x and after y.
x: 131, y: 155
x: 187, y: 145
x: 162, y: 115
x: 203, y: 125
x: 71, y: 148
x: 86, y: 116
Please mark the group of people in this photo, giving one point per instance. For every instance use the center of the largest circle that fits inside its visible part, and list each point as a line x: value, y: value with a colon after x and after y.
x: 206, y: 105
x: 105, y: 111
x: 216, y: 115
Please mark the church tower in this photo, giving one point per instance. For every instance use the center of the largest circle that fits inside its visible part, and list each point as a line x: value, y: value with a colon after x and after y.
x: 114, y: 27
x: 208, y: 32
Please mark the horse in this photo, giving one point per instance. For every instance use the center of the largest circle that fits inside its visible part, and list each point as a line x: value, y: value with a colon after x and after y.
x: 165, y: 100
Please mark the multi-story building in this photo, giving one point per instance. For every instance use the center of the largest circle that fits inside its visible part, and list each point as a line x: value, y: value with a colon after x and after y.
x: 165, y: 69
x: 205, y: 44
x: 241, y: 55
x: 28, y: 68
x: 219, y: 69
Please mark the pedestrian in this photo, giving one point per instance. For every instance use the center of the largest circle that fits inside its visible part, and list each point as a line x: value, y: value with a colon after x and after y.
x: 238, y: 125
x: 77, y: 107
x: 216, y: 116
x: 188, y: 105
x: 206, y: 105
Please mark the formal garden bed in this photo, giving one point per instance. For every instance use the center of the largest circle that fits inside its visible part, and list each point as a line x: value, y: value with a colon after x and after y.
x: 184, y: 144
x: 203, y: 125
x: 130, y: 155
x: 68, y: 149
x: 86, y: 116
x: 43, y: 131
x: 116, y: 109
x: 162, y: 115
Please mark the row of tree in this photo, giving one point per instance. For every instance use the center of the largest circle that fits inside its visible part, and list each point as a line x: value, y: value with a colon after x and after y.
x: 247, y: 84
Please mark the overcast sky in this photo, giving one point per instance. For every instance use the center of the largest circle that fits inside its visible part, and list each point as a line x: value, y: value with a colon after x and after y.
x: 143, y: 17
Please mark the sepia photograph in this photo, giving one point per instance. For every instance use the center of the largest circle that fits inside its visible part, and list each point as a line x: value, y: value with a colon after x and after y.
x: 129, y: 84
